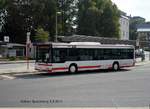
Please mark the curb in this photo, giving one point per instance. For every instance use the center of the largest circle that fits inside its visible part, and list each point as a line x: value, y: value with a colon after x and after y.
x: 20, y: 73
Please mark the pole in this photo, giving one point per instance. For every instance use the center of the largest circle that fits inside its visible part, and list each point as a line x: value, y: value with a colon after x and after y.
x: 62, y: 10
x: 27, y: 56
x: 27, y: 49
x: 56, y: 28
x: 149, y: 55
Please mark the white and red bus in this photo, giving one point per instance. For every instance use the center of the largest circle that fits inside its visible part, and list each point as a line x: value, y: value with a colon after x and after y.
x: 82, y: 56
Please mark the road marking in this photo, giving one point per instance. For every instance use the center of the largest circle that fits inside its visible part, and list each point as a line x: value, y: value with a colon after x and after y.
x: 7, y: 77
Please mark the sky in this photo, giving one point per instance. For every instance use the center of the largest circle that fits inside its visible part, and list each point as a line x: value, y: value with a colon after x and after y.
x: 135, y: 7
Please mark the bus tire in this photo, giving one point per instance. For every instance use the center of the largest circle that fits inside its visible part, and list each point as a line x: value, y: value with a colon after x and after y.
x: 73, y: 68
x: 116, y: 66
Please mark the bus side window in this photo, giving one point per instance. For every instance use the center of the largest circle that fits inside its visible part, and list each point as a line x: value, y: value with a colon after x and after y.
x: 72, y: 55
x: 56, y: 55
x: 59, y: 55
x: 63, y: 55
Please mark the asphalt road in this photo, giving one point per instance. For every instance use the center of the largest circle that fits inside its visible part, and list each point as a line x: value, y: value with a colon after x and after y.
x: 125, y: 88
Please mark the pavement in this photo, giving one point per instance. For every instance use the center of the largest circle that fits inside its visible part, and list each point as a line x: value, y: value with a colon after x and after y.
x: 16, y: 62
x: 20, y: 67
x: 142, y: 63
x: 16, y: 67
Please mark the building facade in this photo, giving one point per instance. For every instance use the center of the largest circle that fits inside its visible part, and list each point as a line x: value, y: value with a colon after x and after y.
x: 143, y: 31
x: 124, y: 27
x: 12, y: 50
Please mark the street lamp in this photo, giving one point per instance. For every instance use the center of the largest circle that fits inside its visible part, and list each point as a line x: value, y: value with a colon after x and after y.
x: 56, y: 34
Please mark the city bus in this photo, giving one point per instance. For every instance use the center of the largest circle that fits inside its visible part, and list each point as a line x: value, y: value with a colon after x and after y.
x: 82, y: 56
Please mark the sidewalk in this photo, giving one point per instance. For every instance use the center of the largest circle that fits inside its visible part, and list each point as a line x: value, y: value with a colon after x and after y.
x: 16, y: 68
x: 16, y: 62
x: 142, y: 63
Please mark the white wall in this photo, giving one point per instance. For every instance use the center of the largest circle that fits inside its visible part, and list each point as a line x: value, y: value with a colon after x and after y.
x: 124, y: 27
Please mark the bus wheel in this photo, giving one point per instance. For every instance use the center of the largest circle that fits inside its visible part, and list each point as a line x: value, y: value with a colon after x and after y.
x: 73, y: 68
x: 116, y: 66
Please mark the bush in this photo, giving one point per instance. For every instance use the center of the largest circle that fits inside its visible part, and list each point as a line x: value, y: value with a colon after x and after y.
x: 21, y: 58
x: 12, y: 58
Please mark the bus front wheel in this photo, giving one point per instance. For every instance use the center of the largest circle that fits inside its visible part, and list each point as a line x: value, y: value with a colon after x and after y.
x: 73, y: 68
x: 116, y: 66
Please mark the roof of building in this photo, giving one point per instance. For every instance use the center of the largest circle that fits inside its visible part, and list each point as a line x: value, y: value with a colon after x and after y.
x: 16, y: 44
x: 102, y: 40
x: 125, y: 17
x: 143, y: 27
x: 83, y: 38
x: 138, y: 17
x: 10, y: 45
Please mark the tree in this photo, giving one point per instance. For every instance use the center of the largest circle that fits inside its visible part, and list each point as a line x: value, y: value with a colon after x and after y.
x: 3, y: 4
x: 28, y: 15
x: 44, y: 12
x: 66, y: 21
x: 98, y: 18
x: 41, y: 35
x: 3, y: 13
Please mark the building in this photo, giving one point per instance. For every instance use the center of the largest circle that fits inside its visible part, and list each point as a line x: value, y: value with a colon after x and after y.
x: 143, y: 31
x: 1, y: 48
x: 124, y: 27
x: 12, y: 50
x: 134, y: 21
x: 102, y: 40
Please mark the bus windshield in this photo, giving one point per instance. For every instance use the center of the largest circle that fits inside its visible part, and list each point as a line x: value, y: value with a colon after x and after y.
x: 43, y: 54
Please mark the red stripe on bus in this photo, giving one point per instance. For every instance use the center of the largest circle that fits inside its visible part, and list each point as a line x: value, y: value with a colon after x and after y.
x: 45, y: 64
x: 110, y: 67
x: 82, y: 67
x: 61, y: 68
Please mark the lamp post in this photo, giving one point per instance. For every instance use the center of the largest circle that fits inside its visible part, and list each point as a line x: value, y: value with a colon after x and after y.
x: 56, y: 32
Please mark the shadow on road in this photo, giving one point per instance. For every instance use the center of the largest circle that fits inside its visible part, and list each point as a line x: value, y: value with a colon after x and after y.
x: 60, y: 74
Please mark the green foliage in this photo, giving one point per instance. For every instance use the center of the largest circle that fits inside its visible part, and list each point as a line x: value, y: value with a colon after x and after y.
x: 3, y: 4
x: 94, y: 17
x: 12, y: 58
x: 28, y: 15
x: 98, y: 18
x: 68, y: 9
x: 41, y: 35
